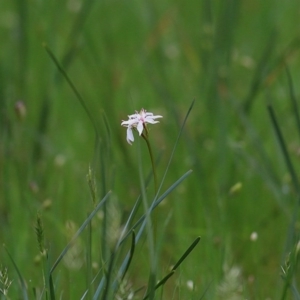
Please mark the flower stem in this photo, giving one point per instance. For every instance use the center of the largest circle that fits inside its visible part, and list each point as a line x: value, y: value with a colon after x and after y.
x: 145, y: 136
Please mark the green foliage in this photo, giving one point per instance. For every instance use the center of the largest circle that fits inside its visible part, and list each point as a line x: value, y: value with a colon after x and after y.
x: 79, y: 219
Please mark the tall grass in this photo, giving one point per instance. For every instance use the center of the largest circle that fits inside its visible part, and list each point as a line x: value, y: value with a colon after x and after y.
x: 76, y: 201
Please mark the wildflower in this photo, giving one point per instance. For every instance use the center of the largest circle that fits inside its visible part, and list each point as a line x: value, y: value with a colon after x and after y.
x: 253, y: 236
x: 190, y: 285
x: 139, y: 120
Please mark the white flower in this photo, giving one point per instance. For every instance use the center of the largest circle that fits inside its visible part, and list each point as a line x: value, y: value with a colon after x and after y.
x: 138, y: 121
x: 253, y: 236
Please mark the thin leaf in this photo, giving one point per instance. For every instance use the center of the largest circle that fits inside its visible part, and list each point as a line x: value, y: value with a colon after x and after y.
x: 99, y: 289
x: 51, y: 286
x: 111, y: 265
x: 22, y: 281
x: 295, y: 108
x: 89, y: 259
x: 284, y: 149
x: 79, y: 231
x: 75, y: 31
x: 175, y: 145
x: 161, y: 282
x: 158, y: 201
x: 260, y: 73
x: 130, y: 254
x: 72, y: 86
x: 182, y: 258
x: 205, y: 291
x: 148, y: 224
x: 108, y: 276
x: 186, y: 253
x: 126, y: 263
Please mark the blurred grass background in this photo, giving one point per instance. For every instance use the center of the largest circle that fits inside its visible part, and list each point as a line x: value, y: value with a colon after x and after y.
x: 230, y: 56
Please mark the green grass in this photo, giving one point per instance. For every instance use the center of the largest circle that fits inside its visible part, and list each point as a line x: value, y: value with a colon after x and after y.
x: 79, y: 68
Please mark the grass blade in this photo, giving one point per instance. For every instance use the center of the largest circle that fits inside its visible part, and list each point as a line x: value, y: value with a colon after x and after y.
x: 175, y: 145
x: 79, y: 231
x: 284, y: 149
x: 205, y: 291
x: 295, y: 108
x: 72, y: 86
x: 182, y: 258
x: 111, y: 265
x: 289, y: 271
x: 89, y: 260
x: 143, y: 222
x: 161, y: 282
x: 148, y: 224
x: 260, y: 74
x: 158, y: 201
x: 99, y: 289
x: 51, y: 286
x: 130, y: 254
x: 186, y: 253
x: 75, y: 31
x: 22, y: 281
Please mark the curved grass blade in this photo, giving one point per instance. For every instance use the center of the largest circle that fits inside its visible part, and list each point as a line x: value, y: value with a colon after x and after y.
x: 130, y: 218
x: 101, y: 285
x: 130, y: 254
x: 284, y: 149
x: 289, y: 271
x: 260, y: 74
x: 83, y: 296
x: 72, y: 86
x: 132, y: 214
x: 89, y: 258
x: 142, y: 220
x: 148, y: 224
x: 182, y: 258
x: 22, y: 281
x: 292, y: 231
x: 160, y: 283
x: 51, y: 286
x: 175, y: 146
x: 263, y: 165
x: 161, y: 198
x: 74, y: 33
x: 295, y: 108
x: 79, y: 231
x: 158, y: 201
x: 99, y: 289
x: 186, y: 253
x: 111, y: 264
x: 108, y: 276
x: 264, y: 73
x: 205, y: 291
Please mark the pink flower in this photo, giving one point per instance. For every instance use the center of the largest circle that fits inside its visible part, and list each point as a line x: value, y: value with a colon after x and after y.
x: 139, y: 122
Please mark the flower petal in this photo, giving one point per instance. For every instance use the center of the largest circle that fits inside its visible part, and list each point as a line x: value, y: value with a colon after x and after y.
x: 151, y: 120
x: 130, y: 137
x: 129, y: 122
x: 134, y: 116
x: 140, y: 127
x: 138, y: 121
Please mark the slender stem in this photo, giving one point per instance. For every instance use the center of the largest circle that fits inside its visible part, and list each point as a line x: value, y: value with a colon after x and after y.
x: 151, y: 283
x: 145, y: 136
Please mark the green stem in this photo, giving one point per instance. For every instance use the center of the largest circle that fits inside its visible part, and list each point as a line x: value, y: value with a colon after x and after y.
x: 145, y: 136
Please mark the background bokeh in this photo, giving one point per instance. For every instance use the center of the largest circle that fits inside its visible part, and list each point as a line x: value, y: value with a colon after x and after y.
x: 233, y: 57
